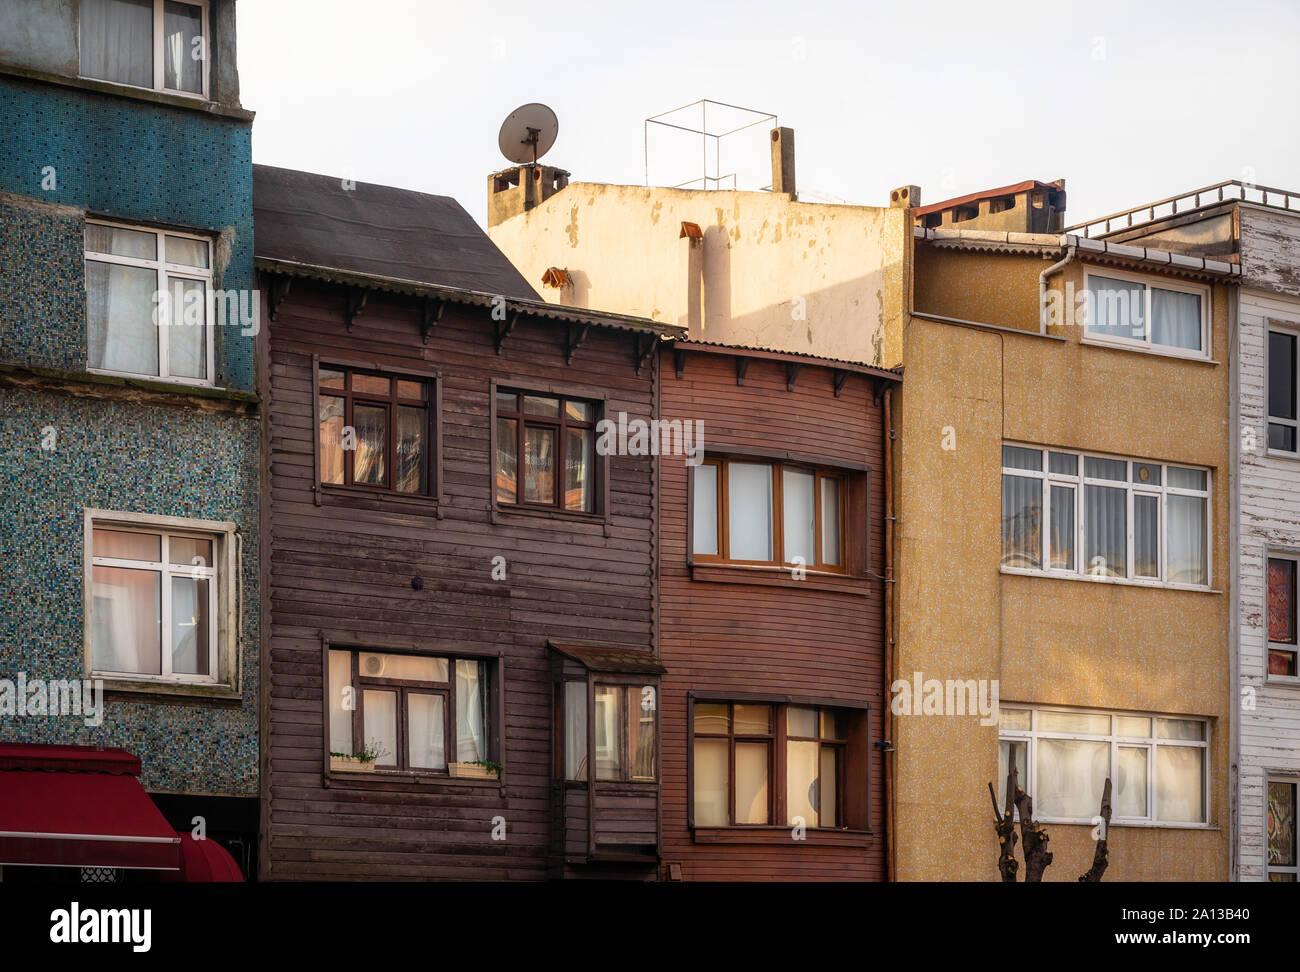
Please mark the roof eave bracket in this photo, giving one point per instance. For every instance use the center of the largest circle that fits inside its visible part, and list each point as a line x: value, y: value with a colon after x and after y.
x: 574, y: 336
x: 356, y: 302
x: 502, y: 330
x: 430, y: 315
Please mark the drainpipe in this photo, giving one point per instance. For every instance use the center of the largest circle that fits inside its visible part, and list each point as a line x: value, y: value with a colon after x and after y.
x: 1070, y: 252
x: 887, y: 422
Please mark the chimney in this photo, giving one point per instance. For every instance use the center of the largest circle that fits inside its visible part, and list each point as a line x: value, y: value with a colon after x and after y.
x: 905, y: 197
x: 520, y: 188
x: 783, y: 161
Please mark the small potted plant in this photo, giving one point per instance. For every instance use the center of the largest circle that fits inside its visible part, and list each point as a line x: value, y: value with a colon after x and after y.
x: 362, y: 761
x: 479, y: 769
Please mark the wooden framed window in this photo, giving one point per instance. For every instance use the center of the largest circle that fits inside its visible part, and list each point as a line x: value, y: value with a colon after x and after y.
x: 375, y: 430
x: 623, y: 725
x: 756, y: 764
x: 768, y: 513
x: 545, y: 450
x: 1147, y: 313
x: 1283, y: 391
x: 414, y: 713
x: 1281, y: 830
x: 156, y: 44
x: 1280, y: 584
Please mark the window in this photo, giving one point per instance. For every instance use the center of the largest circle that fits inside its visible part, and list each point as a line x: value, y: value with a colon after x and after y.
x: 1099, y: 516
x: 148, y: 303
x: 1282, y: 830
x: 768, y: 513
x: 417, y: 712
x: 154, y: 601
x: 623, y: 716
x: 1157, y: 764
x: 158, y: 44
x: 556, y: 437
x: 1283, y: 368
x: 741, y: 751
x: 1281, y: 586
x: 374, y: 430
x: 1135, y: 311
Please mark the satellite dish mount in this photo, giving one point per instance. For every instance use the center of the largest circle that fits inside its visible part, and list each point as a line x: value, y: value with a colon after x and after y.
x: 528, y: 133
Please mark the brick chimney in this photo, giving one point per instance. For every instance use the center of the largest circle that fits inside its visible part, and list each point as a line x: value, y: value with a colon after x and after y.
x: 520, y: 188
x: 783, y: 161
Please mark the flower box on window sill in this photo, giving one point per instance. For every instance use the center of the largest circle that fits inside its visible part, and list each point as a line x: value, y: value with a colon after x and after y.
x: 473, y: 771
x: 350, y: 764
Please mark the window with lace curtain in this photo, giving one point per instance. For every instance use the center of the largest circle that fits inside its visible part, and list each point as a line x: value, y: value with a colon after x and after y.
x: 157, y: 44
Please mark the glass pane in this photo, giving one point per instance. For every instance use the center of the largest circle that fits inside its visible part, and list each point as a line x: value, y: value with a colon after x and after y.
x: 340, y: 717
x: 1091, y: 723
x: 835, y: 724
x: 542, y: 405
x: 641, y: 733
x: 189, y: 551
x: 187, y: 252
x: 1015, y: 719
x: 798, y: 515
x: 183, y: 47
x: 711, y: 773
x: 827, y: 788
x: 1105, y: 531
x: 1131, y: 785
x: 1063, y: 463
x: 579, y: 411
x: 1281, y: 662
x: 1016, y: 457
x: 120, y: 545
x: 368, y: 464
x: 802, y: 761
x: 712, y: 717
x: 1282, y: 437
x: 1133, y: 726
x: 575, y: 730
x: 187, y: 341
x: 1281, y: 601
x: 413, y: 668
x: 471, y: 711
x: 1071, y: 776
x: 117, y: 41
x: 539, y: 465
x: 331, y: 439
x: 1185, y: 516
x: 379, y: 724
x: 831, y: 519
x: 191, y: 618
x: 579, y: 447
x: 1281, y: 823
x: 704, y: 509
x: 121, y: 242
x: 426, y: 730
x: 507, y: 465
x: 331, y: 379
x: 1061, y: 538
x: 126, y: 620
x: 120, y: 311
x: 1180, y: 478
x: 1118, y: 308
x: 1146, y: 536
x: 372, y: 384
x: 801, y: 722
x: 1180, y: 729
x: 749, y: 511
x: 608, y: 700
x: 1007, y: 747
x: 411, y: 389
x: 751, y: 720
x: 1281, y: 375
x: 1176, y: 319
x: 1146, y: 473
x: 1180, y: 789
x: 507, y: 402
x: 751, y: 783
x: 1097, y: 468
x: 1022, y: 521
x: 412, y: 455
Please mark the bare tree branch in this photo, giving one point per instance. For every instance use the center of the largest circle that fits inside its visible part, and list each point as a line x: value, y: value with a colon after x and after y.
x: 1101, y: 856
x: 1033, y: 838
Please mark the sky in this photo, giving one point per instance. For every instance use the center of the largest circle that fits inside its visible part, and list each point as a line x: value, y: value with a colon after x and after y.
x: 1129, y: 102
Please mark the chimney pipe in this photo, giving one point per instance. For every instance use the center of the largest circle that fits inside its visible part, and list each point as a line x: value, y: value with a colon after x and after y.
x: 783, y: 161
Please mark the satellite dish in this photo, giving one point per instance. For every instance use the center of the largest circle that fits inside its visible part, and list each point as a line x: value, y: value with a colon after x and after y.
x: 528, y: 133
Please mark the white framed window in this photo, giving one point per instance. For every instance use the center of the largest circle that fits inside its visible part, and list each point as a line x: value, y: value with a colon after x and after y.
x: 159, y: 598
x: 1280, y: 830
x: 1104, y: 517
x: 149, y: 303
x: 157, y: 44
x: 1148, y: 313
x: 1281, y: 571
x: 1284, y: 391
x: 1158, y: 764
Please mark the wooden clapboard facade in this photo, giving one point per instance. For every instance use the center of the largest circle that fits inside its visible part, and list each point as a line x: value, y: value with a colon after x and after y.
x: 750, y: 649
x: 384, y: 584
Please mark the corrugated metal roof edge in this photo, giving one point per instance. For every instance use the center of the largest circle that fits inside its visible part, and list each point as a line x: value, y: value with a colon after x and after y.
x: 534, y: 308
x: 894, y: 374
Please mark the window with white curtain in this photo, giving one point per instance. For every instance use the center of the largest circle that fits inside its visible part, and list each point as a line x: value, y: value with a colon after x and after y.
x: 1283, y: 390
x: 1158, y: 765
x: 158, y: 44
x: 1155, y: 313
x: 148, y: 303
x: 624, y: 717
x: 1066, y: 512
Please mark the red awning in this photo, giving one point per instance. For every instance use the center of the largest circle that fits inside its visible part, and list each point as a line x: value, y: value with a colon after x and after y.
x: 77, y: 806
x: 205, y: 860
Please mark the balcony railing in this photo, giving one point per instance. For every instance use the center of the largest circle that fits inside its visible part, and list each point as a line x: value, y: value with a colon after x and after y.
x: 1188, y: 202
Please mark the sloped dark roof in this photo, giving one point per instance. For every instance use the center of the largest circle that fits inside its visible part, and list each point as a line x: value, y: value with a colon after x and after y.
x: 611, y: 658
x: 309, y: 219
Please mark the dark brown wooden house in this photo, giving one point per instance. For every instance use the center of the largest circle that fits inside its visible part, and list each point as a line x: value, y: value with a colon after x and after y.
x: 460, y: 583
x: 772, y: 575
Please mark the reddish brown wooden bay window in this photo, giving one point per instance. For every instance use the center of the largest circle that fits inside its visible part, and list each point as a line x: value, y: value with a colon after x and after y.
x: 1281, y: 585
x: 545, y: 451
x: 375, y: 431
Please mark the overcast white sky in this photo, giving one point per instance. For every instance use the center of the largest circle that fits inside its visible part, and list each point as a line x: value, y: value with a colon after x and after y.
x: 1128, y: 101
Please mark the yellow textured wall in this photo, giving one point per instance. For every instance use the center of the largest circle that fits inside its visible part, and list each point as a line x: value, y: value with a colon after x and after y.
x: 1047, y: 641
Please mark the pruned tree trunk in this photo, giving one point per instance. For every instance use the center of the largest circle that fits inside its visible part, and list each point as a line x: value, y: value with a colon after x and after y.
x: 1033, y: 838
x: 1005, y: 822
x: 1101, y: 856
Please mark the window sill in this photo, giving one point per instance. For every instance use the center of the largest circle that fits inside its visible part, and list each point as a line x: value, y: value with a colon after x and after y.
x: 93, y: 384
x: 782, y: 835
x: 332, y: 494
x: 780, y: 577
x: 1282, y: 454
x: 1157, y: 351
x: 1134, y: 824
x: 1291, y: 681
x: 161, y: 691
x: 1121, y: 581
x: 384, y: 779
x: 501, y: 511
x: 194, y: 103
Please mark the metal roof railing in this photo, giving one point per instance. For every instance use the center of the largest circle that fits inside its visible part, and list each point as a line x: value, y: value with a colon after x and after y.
x: 1187, y: 202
